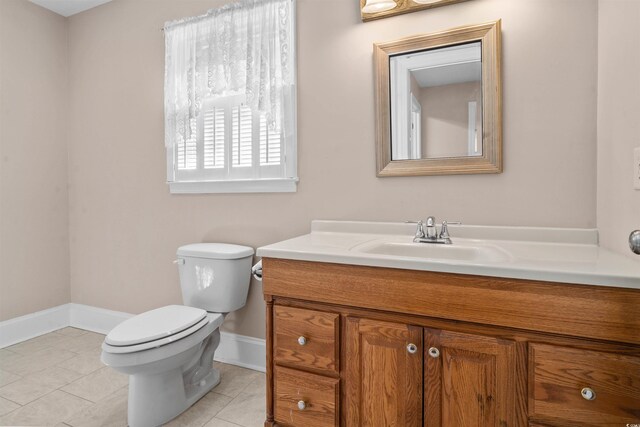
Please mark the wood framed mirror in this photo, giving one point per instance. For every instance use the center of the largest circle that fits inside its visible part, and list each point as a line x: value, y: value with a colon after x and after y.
x: 439, y: 103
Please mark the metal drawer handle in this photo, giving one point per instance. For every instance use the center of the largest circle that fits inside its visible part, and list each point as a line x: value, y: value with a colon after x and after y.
x: 302, y: 405
x: 588, y: 393
x: 302, y: 340
x: 434, y: 352
x: 412, y: 348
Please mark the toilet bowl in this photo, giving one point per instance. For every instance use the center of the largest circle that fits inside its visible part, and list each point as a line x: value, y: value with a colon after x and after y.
x: 168, y: 352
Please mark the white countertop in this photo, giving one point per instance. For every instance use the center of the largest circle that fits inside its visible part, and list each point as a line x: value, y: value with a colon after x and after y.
x: 549, y: 254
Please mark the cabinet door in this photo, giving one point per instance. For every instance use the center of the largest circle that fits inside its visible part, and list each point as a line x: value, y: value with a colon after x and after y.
x: 470, y: 380
x: 383, y: 374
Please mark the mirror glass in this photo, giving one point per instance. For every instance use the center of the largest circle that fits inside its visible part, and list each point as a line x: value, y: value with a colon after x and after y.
x: 436, y: 103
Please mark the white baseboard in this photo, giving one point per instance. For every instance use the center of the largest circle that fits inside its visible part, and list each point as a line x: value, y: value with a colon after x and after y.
x: 239, y: 350
x: 95, y: 319
x: 29, y: 326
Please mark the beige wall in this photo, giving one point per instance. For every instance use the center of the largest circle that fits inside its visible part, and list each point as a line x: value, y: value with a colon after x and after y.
x: 445, y: 118
x: 618, y: 210
x: 34, y: 251
x: 125, y: 226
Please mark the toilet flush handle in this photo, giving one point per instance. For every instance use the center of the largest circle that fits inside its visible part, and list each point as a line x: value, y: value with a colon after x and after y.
x: 179, y: 261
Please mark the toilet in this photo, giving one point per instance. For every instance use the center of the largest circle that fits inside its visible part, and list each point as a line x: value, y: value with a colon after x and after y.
x: 168, y: 352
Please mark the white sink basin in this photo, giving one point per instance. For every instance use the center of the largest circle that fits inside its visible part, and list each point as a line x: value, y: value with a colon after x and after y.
x: 479, y: 253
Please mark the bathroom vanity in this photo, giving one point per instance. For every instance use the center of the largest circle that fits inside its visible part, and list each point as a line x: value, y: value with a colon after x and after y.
x: 531, y: 327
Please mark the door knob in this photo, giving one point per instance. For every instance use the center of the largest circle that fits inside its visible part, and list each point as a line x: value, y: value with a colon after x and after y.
x: 588, y: 393
x: 634, y: 242
x: 302, y: 340
x: 434, y: 352
x: 412, y: 348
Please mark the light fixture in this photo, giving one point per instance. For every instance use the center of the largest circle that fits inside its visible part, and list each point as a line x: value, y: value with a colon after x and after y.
x: 377, y: 9
x: 374, y: 6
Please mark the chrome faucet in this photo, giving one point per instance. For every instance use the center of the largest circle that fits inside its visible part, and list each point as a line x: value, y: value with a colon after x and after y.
x: 431, y: 231
x: 427, y: 232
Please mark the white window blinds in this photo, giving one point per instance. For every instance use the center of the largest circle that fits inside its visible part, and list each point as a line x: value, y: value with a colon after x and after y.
x: 230, y: 94
x: 235, y: 143
x: 270, y: 144
x: 242, y: 135
x: 213, y: 140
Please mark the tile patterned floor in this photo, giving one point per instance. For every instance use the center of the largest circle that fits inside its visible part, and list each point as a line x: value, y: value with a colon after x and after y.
x: 58, y: 380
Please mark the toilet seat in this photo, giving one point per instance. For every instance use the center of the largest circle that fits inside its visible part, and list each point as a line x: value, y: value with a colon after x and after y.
x: 120, y: 357
x: 157, y: 328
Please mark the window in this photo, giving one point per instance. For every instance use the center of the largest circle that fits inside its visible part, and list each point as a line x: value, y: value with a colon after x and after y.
x: 219, y: 139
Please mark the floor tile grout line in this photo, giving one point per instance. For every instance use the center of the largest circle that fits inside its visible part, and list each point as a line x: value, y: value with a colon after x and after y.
x: 250, y: 384
x: 225, y: 406
x: 45, y: 347
x: 104, y: 399
x: 79, y: 397
x: 207, y: 421
x: 28, y: 377
x: 56, y: 332
x: 220, y: 419
x: 37, y: 353
x: 59, y: 388
x: 20, y: 378
x: 21, y: 405
x: 219, y: 410
x: 84, y: 398
x: 75, y: 395
x: 46, y: 394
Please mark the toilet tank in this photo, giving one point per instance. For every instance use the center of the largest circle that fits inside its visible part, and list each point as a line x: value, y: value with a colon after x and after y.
x: 215, y: 276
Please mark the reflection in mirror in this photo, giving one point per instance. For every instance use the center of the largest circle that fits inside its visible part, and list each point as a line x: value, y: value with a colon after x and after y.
x: 438, y: 103
x: 436, y: 98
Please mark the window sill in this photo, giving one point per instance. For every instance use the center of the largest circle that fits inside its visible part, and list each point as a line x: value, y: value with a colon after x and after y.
x: 282, y: 185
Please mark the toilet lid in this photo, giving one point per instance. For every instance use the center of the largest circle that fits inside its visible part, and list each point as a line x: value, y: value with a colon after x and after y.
x: 215, y: 251
x: 155, y: 324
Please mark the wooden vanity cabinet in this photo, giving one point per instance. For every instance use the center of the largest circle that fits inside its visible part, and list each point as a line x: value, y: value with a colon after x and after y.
x: 365, y: 346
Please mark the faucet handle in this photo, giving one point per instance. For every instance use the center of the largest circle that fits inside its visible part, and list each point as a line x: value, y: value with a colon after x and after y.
x: 444, y: 230
x: 419, y: 231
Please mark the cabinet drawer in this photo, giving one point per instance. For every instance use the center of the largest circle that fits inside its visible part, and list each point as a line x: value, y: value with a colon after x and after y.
x: 557, y: 376
x: 305, y: 400
x: 306, y: 338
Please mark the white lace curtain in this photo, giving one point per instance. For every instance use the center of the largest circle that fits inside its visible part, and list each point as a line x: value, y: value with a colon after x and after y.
x: 241, y: 48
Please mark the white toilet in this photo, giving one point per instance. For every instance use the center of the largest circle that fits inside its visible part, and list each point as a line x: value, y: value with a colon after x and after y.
x: 168, y: 352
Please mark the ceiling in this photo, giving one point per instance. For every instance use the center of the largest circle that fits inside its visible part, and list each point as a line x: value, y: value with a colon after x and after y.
x: 449, y: 74
x: 68, y: 7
